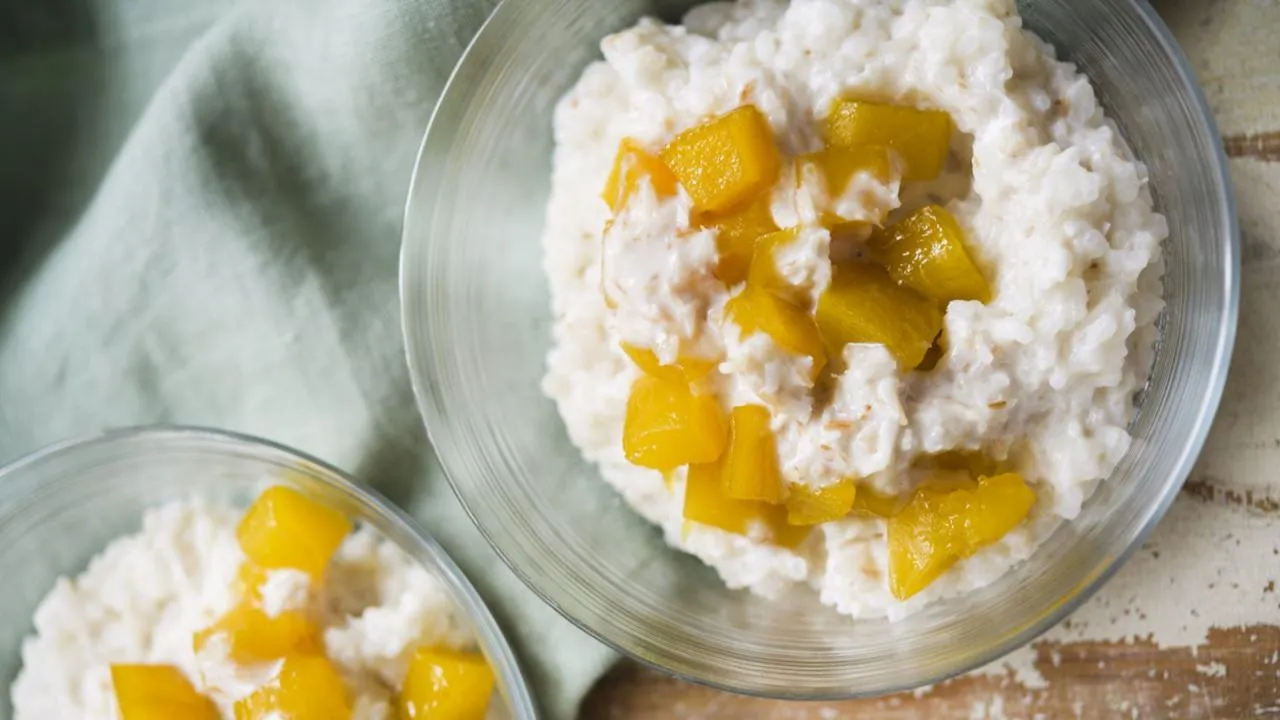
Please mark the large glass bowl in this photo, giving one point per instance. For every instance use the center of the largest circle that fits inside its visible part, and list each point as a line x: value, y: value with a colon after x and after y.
x: 62, y: 505
x: 477, y: 326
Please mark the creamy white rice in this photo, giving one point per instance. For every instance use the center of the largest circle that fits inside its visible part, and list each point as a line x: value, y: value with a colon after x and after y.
x: 1056, y: 212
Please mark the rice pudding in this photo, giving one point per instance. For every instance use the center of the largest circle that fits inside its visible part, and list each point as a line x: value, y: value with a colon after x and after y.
x: 849, y: 293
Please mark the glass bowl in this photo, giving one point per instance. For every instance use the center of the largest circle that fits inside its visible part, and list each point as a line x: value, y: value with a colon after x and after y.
x: 61, y: 506
x: 477, y: 325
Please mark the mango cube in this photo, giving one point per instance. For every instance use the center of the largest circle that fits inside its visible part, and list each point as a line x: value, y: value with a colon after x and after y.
x: 726, y: 160
x: 687, y: 369
x: 256, y: 636
x: 878, y: 504
x: 158, y: 692
x: 813, y: 506
x: 750, y: 466
x: 921, y: 137
x: 285, y: 529
x: 248, y: 585
x: 864, y: 305
x: 839, y: 164
x: 446, y: 685
x: 925, y: 252
x: 631, y: 166
x: 950, y: 520
x: 738, y: 229
x: 308, y: 687
x: 764, y: 274
x: 791, y: 327
x: 706, y: 503
x: 668, y: 425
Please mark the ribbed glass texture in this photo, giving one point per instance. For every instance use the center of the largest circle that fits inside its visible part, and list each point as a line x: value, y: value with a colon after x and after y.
x: 61, y: 506
x: 476, y: 320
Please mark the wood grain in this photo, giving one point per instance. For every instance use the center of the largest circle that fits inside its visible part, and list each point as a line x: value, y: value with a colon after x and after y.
x: 1263, y: 146
x: 1234, y: 675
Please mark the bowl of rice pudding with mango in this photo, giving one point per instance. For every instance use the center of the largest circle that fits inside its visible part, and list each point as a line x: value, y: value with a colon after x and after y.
x: 859, y: 304
x: 181, y: 573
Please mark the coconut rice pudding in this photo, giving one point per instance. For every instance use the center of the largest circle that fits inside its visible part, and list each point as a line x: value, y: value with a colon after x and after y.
x: 848, y: 293
x: 285, y: 613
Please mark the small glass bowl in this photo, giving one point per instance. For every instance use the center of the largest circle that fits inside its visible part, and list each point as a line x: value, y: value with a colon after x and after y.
x: 61, y: 506
x: 477, y: 325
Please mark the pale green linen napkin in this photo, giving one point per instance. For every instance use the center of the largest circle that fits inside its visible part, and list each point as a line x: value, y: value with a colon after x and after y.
x: 235, y: 266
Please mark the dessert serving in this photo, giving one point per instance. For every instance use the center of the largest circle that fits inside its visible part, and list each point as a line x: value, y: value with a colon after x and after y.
x: 852, y: 294
x: 285, y: 613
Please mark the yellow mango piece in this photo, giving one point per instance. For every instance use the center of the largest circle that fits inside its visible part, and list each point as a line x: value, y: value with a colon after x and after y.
x: 668, y: 425
x: 864, y: 305
x: 950, y: 520
x: 921, y: 137
x: 925, y: 252
x: 1001, y: 504
x: 791, y: 327
x: 308, y: 687
x: 812, y: 506
x: 839, y: 164
x: 256, y: 637
x: 285, y: 529
x: 725, y: 161
x: 446, y: 685
x: 158, y: 692
x: 706, y: 503
x: 685, y: 369
x: 630, y: 166
x: 764, y: 275
x: 738, y: 229
x: 878, y: 504
x: 750, y: 466
x: 249, y: 581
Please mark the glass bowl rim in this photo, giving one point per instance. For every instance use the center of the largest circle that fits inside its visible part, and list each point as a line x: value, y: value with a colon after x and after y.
x: 477, y: 611
x: 422, y: 370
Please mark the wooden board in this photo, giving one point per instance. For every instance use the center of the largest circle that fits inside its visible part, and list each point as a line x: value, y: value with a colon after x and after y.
x: 1227, y: 518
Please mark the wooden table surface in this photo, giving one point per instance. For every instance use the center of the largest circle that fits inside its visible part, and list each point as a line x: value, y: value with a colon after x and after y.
x: 1190, y: 628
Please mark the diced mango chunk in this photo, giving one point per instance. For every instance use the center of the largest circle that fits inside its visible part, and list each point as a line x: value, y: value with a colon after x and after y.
x: 812, y: 506
x: 158, y: 692
x: 631, y: 166
x: 668, y: 425
x: 256, y: 636
x: 791, y: 327
x: 706, y: 503
x: 764, y: 274
x: 750, y: 465
x: 948, y: 521
x: 446, y: 685
x: 770, y: 305
x: 308, y: 687
x: 876, y: 503
x: 925, y: 252
x: 686, y: 369
x: 921, y: 137
x: 738, y: 229
x: 726, y: 160
x: 249, y: 580
x: 864, y: 305
x: 285, y: 529
x: 839, y: 164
